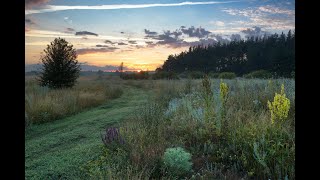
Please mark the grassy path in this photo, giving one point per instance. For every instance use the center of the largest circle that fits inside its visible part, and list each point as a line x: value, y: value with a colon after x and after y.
x: 56, y: 150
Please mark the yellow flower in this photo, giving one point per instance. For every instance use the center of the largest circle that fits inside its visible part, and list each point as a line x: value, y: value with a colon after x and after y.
x: 280, y: 106
x: 224, y: 89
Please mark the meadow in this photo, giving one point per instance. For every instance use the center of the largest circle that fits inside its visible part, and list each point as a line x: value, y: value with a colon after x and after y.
x: 109, y: 128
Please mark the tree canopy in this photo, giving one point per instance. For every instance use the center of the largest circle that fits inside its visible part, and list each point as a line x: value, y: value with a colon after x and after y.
x: 274, y: 53
x: 60, y: 68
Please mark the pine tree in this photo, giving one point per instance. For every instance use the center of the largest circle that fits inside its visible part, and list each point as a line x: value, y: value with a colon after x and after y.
x: 60, y: 68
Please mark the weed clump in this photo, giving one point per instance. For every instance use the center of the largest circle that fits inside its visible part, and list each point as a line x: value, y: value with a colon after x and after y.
x: 177, y: 161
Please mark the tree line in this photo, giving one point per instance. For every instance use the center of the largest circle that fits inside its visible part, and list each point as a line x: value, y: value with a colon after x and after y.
x: 273, y: 53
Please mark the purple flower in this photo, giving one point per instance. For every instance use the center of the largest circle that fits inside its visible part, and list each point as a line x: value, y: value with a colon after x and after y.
x: 112, y: 135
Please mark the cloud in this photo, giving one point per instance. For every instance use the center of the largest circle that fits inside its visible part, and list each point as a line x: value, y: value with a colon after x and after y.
x: 195, y: 32
x: 217, y: 23
x: 87, y: 67
x: 150, y: 44
x: 149, y: 32
x: 268, y: 17
x: 228, y: 30
x: 29, y: 21
x: 276, y: 10
x: 81, y: 33
x: 132, y: 42
x: 184, y: 37
x: 84, y: 67
x: 53, y: 8
x: 67, y: 20
x: 99, y: 45
x: 121, y: 44
x: 254, y: 32
x: 109, y: 42
x: 31, y: 3
x: 93, y: 51
x: 70, y: 29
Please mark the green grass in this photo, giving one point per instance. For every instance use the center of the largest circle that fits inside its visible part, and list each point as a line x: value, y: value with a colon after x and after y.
x: 155, y: 115
x: 56, y: 150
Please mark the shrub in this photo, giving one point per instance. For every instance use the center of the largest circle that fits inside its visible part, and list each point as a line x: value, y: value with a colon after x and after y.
x: 196, y: 74
x: 263, y: 74
x: 227, y: 75
x: 177, y: 161
x: 280, y: 106
x: 165, y: 75
x: 214, y: 75
x: 108, y: 164
x: 135, y: 75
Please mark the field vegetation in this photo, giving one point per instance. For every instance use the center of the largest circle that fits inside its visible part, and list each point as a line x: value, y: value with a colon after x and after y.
x: 163, y: 129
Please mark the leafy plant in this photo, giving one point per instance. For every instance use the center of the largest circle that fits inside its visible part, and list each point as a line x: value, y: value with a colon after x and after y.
x: 280, y: 106
x: 263, y: 74
x: 177, y: 161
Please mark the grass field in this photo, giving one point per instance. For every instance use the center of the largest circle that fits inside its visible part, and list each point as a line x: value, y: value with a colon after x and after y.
x: 57, y: 149
x: 227, y: 139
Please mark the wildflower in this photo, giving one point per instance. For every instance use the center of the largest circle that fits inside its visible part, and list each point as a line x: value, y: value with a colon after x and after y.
x: 280, y: 106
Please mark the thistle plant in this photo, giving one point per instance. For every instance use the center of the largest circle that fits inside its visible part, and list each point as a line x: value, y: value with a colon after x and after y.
x: 112, y: 136
x: 280, y: 106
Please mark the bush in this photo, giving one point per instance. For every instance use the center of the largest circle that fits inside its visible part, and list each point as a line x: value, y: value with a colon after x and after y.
x: 165, y: 75
x: 263, y: 74
x: 177, y: 161
x: 136, y: 75
x: 196, y: 74
x: 214, y: 75
x: 227, y: 75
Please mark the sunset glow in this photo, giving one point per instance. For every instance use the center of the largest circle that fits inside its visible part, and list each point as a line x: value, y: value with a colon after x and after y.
x: 141, y: 33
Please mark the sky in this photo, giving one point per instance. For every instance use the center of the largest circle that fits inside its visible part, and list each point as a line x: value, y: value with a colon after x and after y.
x: 143, y: 33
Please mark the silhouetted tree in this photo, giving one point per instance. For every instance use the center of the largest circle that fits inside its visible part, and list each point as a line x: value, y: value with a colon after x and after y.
x: 60, y: 68
x: 274, y: 53
x: 121, y: 69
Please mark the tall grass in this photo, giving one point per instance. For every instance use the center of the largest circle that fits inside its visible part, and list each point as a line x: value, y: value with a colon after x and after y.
x: 43, y: 104
x: 246, y: 145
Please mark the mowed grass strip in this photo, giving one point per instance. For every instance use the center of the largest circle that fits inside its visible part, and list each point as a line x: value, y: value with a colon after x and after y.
x: 56, y: 150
